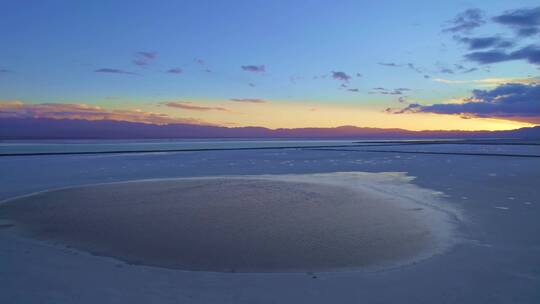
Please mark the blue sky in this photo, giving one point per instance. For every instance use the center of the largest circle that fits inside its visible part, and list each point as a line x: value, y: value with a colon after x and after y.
x: 51, y: 51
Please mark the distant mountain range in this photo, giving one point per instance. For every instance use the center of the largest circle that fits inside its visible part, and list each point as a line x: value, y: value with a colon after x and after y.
x: 44, y: 128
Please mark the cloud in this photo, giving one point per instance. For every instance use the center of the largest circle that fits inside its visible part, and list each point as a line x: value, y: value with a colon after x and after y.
x: 359, y: 75
x: 254, y: 68
x: 530, y: 53
x: 175, y: 71
x: 463, y: 69
x: 186, y: 105
x: 409, y: 65
x: 353, y: 90
x: 466, y: 21
x: 18, y: 109
x: 512, y: 101
x: 385, y: 91
x: 491, y: 81
x: 144, y: 58
x: 5, y: 71
x: 341, y: 76
x: 414, y: 68
x: 446, y: 71
x: 251, y: 84
x: 526, y: 22
x: 389, y: 64
x: 198, y: 61
x: 248, y: 100
x: 485, y: 42
x: 113, y: 71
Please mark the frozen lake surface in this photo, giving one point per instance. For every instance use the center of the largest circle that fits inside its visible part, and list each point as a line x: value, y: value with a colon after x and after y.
x: 496, y: 260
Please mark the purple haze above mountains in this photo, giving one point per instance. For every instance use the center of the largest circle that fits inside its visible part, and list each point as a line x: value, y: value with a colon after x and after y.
x: 44, y: 128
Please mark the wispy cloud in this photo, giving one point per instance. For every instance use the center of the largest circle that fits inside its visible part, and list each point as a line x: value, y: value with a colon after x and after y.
x: 385, y: 91
x: 114, y: 71
x: 144, y: 58
x: 389, y: 64
x: 513, y: 101
x: 186, y: 105
x: 409, y: 65
x: 5, y: 71
x: 485, y: 42
x: 175, y: 71
x: 18, y: 109
x: 254, y: 68
x: 490, y: 81
x: 248, y: 100
x: 466, y: 21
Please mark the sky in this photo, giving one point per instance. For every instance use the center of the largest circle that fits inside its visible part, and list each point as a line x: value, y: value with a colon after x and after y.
x: 417, y: 65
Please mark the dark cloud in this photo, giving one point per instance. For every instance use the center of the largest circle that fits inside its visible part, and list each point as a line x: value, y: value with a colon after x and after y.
x: 353, y: 90
x: 465, y: 21
x: 529, y: 53
x: 113, y: 71
x: 251, y: 85
x: 389, y: 64
x: 485, y: 42
x: 144, y: 58
x: 341, y: 76
x: 254, y: 68
x: 526, y: 22
x: 186, y: 105
x: 175, y: 71
x: 359, y: 75
x: 512, y: 101
x: 248, y: 100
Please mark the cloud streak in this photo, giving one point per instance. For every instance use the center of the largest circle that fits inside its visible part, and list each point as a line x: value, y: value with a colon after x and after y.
x: 248, y: 100
x: 530, y: 53
x: 114, y: 71
x: 18, y: 109
x: 175, y: 71
x: 186, y: 105
x: 466, y: 21
x: 385, y: 91
x: 254, y: 68
x: 485, y: 42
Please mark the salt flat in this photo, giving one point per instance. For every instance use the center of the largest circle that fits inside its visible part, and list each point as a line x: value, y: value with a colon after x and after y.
x: 494, y: 260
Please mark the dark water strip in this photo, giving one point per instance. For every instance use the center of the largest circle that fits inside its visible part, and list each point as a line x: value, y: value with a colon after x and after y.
x: 180, y: 150
x: 428, y: 152
x: 449, y: 142
x: 321, y: 147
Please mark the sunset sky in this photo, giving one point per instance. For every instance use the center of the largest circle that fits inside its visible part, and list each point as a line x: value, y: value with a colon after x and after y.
x: 415, y: 65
